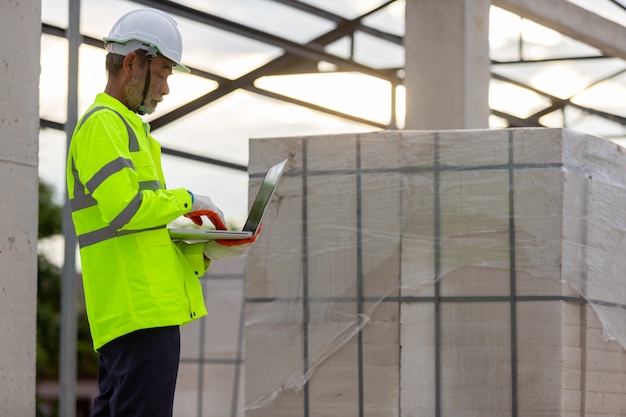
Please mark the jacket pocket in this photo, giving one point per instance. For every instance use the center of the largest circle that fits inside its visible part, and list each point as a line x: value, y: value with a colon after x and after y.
x: 144, y: 165
x: 161, y: 265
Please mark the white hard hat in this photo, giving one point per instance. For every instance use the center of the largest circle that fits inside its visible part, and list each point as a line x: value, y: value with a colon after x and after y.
x: 150, y: 30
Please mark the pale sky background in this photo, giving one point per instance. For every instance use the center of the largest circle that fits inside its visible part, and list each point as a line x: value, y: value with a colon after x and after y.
x: 222, y: 129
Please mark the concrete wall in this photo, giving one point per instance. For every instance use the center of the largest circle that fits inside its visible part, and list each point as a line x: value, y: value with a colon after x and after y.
x: 20, y: 28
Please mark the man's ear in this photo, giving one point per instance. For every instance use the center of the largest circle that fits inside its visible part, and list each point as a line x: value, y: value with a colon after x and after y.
x: 130, y: 63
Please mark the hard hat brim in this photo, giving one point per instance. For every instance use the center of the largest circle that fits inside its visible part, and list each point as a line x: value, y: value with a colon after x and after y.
x: 124, y: 47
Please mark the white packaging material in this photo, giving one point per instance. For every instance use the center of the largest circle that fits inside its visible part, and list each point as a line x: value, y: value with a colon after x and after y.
x: 452, y: 273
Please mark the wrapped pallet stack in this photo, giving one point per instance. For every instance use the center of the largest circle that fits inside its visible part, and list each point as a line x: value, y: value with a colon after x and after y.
x: 453, y: 273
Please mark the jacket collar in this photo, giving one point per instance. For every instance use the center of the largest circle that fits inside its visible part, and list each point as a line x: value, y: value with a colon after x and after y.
x: 103, y: 99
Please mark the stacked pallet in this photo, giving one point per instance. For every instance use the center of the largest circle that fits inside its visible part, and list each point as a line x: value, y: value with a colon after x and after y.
x: 453, y: 273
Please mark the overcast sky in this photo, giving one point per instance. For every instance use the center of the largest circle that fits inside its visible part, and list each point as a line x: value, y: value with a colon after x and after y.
x: 222, y: 130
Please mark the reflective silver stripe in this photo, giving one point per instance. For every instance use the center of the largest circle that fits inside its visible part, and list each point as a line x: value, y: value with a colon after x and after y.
x: 80, y: 200
x: 106, y: 233
x: 133, y: 143
x: 106, y: 171
x: 129, y: 211
x: 89, y: 113
x: 150, y: 185
x: 83, y: 201
x: 96, y: 236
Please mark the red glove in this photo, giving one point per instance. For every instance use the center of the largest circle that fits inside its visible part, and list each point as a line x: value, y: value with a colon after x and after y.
x: 226, y: 248
x: 202, y: 205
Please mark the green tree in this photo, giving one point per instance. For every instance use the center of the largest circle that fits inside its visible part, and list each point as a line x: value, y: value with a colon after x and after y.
x: 48, y: 289
x: 49, y: 302
x: 50, y: 213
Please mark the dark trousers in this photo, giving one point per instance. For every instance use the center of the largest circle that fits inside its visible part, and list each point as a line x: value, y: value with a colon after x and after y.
x: 137, y: 374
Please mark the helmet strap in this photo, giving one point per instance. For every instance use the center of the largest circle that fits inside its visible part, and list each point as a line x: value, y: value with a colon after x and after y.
x: 142, y: 109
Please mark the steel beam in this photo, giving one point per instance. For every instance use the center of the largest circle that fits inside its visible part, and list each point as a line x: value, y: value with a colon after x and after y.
x: 69, y: 315
x: 573, y: 21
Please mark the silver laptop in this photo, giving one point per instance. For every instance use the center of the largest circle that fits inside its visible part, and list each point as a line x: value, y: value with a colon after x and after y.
x: 257, y: 211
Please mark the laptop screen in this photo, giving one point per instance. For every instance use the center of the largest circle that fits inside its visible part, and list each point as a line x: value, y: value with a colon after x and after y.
x: 263, y: 197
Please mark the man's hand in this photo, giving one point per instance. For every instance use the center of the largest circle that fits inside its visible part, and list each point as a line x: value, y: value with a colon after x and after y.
x: 203, y: 206
x: 226, y: 248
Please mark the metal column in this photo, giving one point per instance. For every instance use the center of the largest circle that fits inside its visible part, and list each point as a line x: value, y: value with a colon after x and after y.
x: 67, y: 373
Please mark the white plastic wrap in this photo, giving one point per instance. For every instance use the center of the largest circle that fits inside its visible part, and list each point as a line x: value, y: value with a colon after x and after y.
x: 436, y: 273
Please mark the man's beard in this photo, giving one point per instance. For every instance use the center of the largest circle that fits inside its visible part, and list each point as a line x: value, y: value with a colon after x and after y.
x: 134, y: 95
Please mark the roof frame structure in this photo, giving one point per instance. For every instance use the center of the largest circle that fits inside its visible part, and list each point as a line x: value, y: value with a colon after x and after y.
x: 295, y: 54
x: 573, y: 21
x: 559, y: 15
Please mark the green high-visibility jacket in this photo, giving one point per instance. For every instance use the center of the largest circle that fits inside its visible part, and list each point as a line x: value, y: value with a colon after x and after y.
x: 134, y: 276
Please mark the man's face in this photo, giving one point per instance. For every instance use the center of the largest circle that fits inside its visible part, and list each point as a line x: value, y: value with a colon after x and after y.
x: 160, y: 70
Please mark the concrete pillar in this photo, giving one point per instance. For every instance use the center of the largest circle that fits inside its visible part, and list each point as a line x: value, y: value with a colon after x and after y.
x: 447, y: 64
x: 20, y: 30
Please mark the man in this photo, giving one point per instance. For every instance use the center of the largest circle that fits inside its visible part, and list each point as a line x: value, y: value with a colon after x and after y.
x: 139, y: 285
